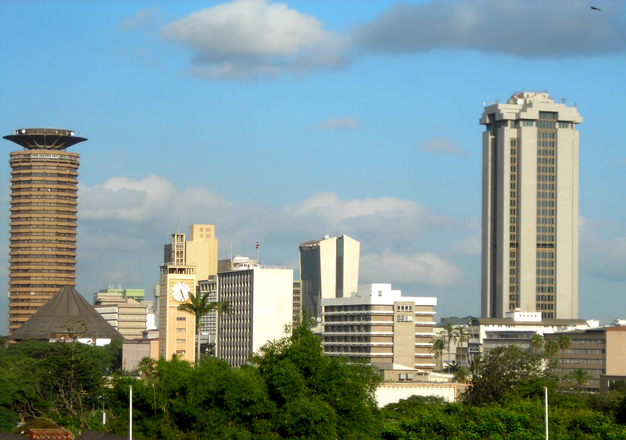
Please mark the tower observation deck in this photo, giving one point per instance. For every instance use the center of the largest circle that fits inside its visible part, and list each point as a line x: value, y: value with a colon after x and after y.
x: 44, y: 187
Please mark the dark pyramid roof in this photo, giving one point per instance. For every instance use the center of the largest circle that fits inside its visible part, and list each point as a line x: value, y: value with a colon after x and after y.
x: 66, y: 311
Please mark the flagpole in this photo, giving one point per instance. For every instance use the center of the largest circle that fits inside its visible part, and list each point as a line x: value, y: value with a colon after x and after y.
x: 257, y: 251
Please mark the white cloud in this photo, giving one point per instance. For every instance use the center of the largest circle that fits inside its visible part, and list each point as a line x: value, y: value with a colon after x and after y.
x: 125, y: 222
x: 517, y: 27
x: 426, y: 269
x: 602, y: 249
x: 347, y: 122
x: 144, y: 18
x: 442, y: 145
x: 247, y: 40
x: 468, y: 247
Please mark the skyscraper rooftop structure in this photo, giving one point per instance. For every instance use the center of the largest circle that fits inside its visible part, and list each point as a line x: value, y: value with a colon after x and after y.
x: 530, y: 207
x: 329, y: 268
x: 44, y: 179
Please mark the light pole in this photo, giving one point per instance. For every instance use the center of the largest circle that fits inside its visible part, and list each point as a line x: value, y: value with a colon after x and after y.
x: 104, y: 416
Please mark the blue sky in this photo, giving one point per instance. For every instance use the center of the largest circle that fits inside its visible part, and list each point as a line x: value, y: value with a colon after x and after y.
x: 283, y: 122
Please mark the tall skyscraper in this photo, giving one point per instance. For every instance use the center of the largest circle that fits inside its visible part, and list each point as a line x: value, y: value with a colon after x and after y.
x: 530, y: 207
x: 329, y: 268
x: 44, y: 179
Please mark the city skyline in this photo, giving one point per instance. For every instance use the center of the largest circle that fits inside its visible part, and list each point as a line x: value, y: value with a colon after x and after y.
x: 335, y: 125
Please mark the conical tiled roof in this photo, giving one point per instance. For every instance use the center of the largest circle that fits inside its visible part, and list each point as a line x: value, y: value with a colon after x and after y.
x: 66, y: 311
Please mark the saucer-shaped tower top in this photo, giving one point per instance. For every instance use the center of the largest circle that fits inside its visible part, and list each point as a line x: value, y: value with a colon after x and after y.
x: 44, y: 138
x: 44, y: 210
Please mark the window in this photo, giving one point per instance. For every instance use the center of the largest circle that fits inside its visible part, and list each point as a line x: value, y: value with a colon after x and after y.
x: 404, y: 308
x: 404, y: 318
x: 181, y: 341
x: 181, y: 318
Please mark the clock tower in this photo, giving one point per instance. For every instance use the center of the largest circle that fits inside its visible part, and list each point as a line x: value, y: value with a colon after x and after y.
x: 177, y: 280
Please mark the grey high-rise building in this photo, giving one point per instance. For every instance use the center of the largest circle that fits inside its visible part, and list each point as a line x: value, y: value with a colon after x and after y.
x: 530, y: 207
x: 329, y: 268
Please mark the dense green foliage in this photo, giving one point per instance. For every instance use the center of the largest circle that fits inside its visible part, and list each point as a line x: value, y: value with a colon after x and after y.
x: 520, y: 419
x: 290, y: 389
x: 60, y: 381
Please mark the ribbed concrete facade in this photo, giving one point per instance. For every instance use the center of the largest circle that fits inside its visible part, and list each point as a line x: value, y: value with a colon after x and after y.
x: 380, y: 325
x: 44, y: 179
x: 530, y: 207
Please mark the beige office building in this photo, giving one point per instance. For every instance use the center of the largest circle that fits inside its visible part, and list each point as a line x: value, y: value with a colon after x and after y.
x: 329, y: 268
x: 392, y: 331
x: 530, y: 207
x: 185, y: 262
x: 44, y: 187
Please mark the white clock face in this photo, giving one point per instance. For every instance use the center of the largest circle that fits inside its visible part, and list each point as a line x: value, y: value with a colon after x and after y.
x: 180, y: 292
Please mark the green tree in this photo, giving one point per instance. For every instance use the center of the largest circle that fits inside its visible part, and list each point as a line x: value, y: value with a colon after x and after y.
x: 449, y: 333
x: 301, y: 379
x: 438, y: 346
x: 564, y: 342
x: 462, y: 335
x: 536, y: 342
x: 580, y: 377
x: 199, y: 305
x: 550, y: 348
x: 504, y: 371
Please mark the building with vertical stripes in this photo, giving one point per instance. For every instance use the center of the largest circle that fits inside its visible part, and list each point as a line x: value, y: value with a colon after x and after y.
x: 530, y: 207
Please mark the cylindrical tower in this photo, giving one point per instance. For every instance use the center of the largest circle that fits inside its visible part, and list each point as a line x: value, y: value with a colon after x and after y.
x: 44, y: 179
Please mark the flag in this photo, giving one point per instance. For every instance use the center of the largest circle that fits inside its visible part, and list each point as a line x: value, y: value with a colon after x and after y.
x: 257, y: 244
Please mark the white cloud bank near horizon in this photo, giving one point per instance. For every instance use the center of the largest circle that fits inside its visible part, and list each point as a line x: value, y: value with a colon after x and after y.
x: 125, y: 222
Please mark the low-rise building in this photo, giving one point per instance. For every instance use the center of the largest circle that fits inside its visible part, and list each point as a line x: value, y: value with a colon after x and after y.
x: 128, y: 316
x: 391, y: 331
x: 600, y: 352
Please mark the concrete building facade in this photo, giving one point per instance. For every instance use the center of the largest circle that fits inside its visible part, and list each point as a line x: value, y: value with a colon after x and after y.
x: 329, y: 268
x: 530, y: 207
x: 393, y: 332
x: 185, y: 262
x: 126, y: 315
x: 600, y: 352
x: 261, y: 305
x: 44, y: 192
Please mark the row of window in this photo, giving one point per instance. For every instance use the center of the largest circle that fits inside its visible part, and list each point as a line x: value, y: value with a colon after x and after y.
x: 545, y: 220
x: 549, y: 170
x: 545, y: 272
x: 545, y: 298
x: 545, y: 212
x: 546, y: 135
x: 545, y: 178
x: 545, y: 161
x: 549, y: 229
x: 543, y: 280
x: 545, y: 204
x: 545, y: 194
x: 586, y: 350
x: 546, y: 124
x: 545, y: 237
